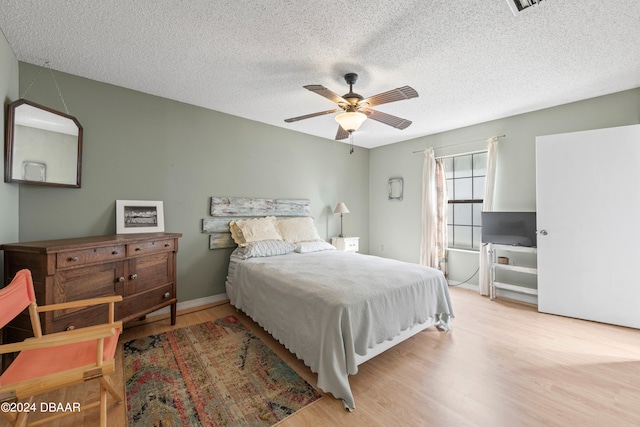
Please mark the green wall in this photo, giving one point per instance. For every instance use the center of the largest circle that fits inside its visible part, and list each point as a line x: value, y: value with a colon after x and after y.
x: 143, y: 147
x: 8, y: 192
x: 396, y: 225
x: 139, y: 146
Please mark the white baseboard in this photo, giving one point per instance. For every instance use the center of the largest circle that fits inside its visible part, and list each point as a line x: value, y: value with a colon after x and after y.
x: 191, y: 304
x: 516, y: 296
x: 463, y: 285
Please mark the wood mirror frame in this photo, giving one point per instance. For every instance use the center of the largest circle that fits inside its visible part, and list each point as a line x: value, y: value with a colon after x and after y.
x: 42, y: 146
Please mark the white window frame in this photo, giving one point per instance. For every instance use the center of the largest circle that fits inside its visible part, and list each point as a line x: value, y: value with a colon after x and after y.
x: 451, y: 222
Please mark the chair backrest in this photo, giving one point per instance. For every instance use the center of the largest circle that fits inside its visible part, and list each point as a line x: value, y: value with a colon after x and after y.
x: 16, y: 296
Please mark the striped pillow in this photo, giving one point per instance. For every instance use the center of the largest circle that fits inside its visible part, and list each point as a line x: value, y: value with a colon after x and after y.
x: 264, y: 248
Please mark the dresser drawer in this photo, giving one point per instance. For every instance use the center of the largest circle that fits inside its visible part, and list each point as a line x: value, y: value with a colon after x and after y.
x: 95, y: 315
x: 89, y: 256
x: 87, y: 282
x: 142, y: 248
x: 142, y: 303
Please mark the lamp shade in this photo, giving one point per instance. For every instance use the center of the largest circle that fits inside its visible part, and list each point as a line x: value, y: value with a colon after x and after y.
x: 341, y: 208
x: 351, y: 121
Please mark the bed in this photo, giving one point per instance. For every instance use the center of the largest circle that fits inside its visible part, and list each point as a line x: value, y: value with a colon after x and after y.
x: 335, y: 310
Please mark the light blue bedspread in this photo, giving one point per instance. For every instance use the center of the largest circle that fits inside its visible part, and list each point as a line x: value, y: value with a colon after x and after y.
x: 326, y: 307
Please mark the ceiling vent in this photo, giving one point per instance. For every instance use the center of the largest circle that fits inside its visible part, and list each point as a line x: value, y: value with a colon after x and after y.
x: 518, y: 6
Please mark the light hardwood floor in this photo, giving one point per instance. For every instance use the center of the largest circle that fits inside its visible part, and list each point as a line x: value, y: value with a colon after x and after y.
x: 503, y: 364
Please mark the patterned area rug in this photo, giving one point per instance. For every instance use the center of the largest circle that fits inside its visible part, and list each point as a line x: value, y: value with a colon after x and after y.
x: 212, y: 374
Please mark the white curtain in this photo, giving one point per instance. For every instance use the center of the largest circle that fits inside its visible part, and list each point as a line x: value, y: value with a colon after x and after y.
x: 489, y: 189
x: 442, y: 200
x: 433, y: 247
x: 428, y: 253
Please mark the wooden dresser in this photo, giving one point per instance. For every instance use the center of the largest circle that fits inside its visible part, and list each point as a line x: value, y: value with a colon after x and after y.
x: 140, y: 267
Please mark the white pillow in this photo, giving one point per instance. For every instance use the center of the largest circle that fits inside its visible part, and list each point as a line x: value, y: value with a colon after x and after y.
x: 294, y: 230
x: 256, y: 230
x: 236, y: 234
x: 305, y: 247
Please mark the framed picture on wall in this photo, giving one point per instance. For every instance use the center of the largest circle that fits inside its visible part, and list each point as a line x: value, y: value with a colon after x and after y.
x: 396, y: 188
x: 139, y: 216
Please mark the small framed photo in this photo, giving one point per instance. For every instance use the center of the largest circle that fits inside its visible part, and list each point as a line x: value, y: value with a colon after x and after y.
x: 139, y: 216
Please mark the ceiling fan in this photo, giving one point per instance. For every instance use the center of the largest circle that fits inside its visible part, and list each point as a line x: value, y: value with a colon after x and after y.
x: 355, y: 109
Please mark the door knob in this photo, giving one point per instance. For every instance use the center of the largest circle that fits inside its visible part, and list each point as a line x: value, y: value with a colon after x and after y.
x: 543, y: 232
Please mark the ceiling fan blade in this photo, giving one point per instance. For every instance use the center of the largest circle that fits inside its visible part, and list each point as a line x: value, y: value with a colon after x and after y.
x: 398, y: 94
x: 387, y: 119
x: 341, y: 134
x: 329, y: 94
x: 308, y: 116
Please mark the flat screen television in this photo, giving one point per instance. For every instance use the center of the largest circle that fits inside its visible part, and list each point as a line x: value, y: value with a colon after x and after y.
x: 509, y: 228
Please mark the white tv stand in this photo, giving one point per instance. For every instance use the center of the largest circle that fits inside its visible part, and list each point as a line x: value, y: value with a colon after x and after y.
x: 495, y: 265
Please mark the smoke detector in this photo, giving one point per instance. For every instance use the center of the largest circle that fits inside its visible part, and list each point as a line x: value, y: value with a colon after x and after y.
x: 518, y: 6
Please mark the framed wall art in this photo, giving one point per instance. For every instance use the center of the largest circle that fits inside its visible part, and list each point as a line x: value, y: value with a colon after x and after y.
x: 396, y: 188
x: 139, y: 216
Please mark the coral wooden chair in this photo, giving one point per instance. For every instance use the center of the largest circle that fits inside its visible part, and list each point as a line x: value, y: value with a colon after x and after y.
x: 54, y: 361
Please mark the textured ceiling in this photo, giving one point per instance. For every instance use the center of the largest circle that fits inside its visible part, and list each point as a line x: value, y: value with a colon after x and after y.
x: 470, y: 61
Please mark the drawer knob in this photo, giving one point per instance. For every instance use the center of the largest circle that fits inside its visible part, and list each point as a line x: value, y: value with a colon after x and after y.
x: 134, y: 276
x: 70, y: 328
x: 114, y: 253
x: 74, y: 258
x: 166, y: 245
x: 138, y: 249
x: 167, y: 295
x: 121, y: 279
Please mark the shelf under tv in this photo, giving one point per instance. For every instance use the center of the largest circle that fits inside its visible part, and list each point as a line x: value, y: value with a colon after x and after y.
x: 495, y: 265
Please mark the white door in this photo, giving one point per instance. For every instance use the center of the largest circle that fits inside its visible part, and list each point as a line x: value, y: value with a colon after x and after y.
x: 588, y: 221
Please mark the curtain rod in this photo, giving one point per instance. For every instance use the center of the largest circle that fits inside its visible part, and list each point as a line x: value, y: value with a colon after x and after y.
x: 459, y: 143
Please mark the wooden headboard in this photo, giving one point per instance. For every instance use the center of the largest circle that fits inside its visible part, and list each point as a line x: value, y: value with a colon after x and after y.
x: 227, y: 209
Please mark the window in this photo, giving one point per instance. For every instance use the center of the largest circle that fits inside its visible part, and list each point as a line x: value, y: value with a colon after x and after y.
x: 465, y: 176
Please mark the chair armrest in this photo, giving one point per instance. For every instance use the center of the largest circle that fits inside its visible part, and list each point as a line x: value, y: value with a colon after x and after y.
x: 65, y: 337
x: 80, y: 303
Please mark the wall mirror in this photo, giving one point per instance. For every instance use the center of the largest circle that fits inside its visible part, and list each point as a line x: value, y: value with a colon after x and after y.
x: 42, y: 146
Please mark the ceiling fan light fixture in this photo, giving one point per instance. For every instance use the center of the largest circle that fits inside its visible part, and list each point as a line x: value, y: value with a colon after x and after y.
x: 353, y: 109
x: 351, y: 121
